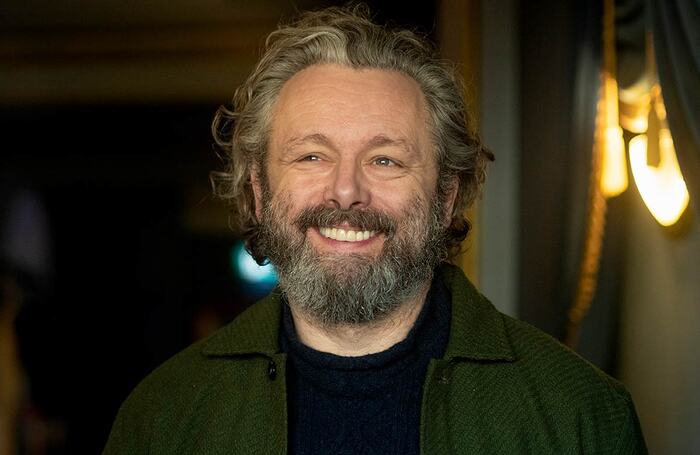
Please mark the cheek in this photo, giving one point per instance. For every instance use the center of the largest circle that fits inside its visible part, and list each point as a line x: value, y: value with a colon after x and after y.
x: 291, y: 201
x: 300, y: 190
x: 402, y: 192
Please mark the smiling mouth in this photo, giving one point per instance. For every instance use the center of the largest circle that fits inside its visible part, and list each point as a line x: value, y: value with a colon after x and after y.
x: 346, y: 235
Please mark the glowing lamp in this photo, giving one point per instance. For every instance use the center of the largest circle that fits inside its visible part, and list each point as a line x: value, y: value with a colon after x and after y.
x: 662, y: 187
x: 613, y: 180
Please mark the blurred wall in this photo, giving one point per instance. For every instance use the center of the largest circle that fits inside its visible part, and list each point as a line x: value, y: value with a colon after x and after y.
x: 500, y: 104
x: 459, y: 38
x: 660, y: 331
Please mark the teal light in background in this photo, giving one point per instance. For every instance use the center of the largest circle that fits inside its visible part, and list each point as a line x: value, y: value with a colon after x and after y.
x: 259, y: 278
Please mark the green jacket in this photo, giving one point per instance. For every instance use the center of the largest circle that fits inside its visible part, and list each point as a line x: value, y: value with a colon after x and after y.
x: 503, y: 387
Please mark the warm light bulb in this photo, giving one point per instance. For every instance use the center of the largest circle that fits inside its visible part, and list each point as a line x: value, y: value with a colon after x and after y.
x: 636, y: 124
x: 613, y: 180
x: 662, y: 187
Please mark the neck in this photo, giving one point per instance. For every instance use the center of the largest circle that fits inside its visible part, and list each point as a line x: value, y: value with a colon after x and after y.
x: 357, y: 340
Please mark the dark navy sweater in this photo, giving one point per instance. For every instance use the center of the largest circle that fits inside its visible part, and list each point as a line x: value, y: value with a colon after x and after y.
x: 363, y: 405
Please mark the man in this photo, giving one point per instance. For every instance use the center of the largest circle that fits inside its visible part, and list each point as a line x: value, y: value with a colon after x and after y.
x: 351, y: 162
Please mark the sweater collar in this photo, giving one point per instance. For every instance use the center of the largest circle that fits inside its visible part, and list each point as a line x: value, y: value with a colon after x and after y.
x: 477, y: 331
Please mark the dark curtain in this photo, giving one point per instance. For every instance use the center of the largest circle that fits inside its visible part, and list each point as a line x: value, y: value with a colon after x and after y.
x: 598, y: 333
x: 561, y: 65
x: 560, y: 51
x: 676, y: 30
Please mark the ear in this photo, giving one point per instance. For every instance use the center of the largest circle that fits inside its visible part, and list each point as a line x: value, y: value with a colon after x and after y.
x: 450, y: 199
x: 257, y: 191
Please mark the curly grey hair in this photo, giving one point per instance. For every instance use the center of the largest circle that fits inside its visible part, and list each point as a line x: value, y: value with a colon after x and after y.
x: 347, y: 36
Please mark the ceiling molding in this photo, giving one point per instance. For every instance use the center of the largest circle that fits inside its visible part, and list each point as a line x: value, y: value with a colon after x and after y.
x: 136, y: 64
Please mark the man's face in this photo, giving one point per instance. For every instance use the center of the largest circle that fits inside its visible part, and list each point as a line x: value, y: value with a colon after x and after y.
x: 350, y: 187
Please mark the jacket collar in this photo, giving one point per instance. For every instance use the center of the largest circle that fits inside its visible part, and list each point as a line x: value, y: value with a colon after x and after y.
x: 255, y: 331
x: 477, y: 331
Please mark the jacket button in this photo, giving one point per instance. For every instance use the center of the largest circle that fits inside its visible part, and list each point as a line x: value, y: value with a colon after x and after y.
x: 272, y: 370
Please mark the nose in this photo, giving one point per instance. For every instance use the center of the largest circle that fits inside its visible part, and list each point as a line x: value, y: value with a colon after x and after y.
x: 348, y: 187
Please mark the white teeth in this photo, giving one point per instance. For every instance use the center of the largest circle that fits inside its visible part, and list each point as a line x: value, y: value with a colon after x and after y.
x: 346, y: 235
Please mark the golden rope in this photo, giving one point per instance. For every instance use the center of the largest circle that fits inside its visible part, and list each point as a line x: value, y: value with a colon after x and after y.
x: 597, y: 204
x: 593, y: 243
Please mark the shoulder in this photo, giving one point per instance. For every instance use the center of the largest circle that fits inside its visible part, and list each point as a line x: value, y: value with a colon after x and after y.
x: 544, y: 361
x: 198, y: 381
x: 481, y: 332
x: 584, y: 403
x: 153, y: 404
x: 528, y: 386
x: 252, y: 333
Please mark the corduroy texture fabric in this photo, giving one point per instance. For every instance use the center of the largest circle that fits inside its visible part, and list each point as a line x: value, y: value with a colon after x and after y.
x: 503, y: 387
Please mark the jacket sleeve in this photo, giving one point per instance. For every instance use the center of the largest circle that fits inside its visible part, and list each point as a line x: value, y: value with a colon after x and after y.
x: 631, y: 440
x: 131, y: 431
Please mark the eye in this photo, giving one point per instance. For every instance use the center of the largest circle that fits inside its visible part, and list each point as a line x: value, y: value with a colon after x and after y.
x: 384, y: 161
x: 309, y: 158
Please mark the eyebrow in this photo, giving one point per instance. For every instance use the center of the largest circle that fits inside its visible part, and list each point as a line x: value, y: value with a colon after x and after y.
x: 384, y: 141
x: 316, y: 138
x: 377, y: 141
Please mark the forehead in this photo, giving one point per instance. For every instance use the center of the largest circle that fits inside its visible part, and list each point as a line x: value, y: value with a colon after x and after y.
x: 351, y: 106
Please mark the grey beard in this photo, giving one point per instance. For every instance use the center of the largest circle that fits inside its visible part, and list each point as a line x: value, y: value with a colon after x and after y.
x: 354, y: 289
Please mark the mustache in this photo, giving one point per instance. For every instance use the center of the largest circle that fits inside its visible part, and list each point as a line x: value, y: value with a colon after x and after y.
x: 366, y: 219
